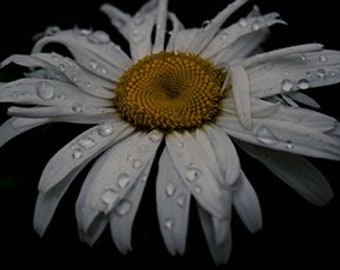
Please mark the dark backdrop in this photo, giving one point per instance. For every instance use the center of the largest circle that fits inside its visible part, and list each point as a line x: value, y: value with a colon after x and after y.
x: 295, y: 234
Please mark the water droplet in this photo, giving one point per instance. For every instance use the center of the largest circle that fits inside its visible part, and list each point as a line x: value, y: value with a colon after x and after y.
x: 321, y: 73
x: 303, y: 58
x: 323, y: 58
x: 308, y: 74
x: 180, y: 145
x: 105, y: 130
x: 144, y: 149
x: 109, y: 198
x: 224, y: 35
x: 290, y: 145
x: 99, y: 37
x: 198, y: 189
x: 170, y: 189
x: 77, y: 108
x: 123, y: 207
x: 169, y: 224
x: 61, y: 97
x: 86, y: 143
x: 303, y: 84
x: 123, y: 180
x: 243, y: 22
x: 82, y: 31
x: 102, y: 70
x: 77, y: 154
x: 144, y: 178
x: 181, y: 201
x: 139, y: 20
x: 62, y: 67
x: 287, y: 85
x: 256, y: 26
x: 137, y: 37
x: 52, y: 30
x: 193, y: 174
x: 155, y: 136
x: 93, y: 64
x: 45, y: 91
x: 266, y: 136
x: 137, y: 164
x: 206, y: 24
x: 332, y: 74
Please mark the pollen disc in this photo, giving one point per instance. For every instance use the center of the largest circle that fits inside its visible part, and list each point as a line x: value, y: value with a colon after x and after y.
x: 170, y: 91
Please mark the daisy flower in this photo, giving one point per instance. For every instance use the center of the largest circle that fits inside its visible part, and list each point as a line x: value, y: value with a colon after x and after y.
x: 190, y: 95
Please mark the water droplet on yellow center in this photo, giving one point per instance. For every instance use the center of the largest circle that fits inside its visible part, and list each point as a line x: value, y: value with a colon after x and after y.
x: 170, y: 91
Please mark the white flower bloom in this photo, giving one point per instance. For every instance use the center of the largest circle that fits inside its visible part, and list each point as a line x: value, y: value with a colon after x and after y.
x: 198, y: 90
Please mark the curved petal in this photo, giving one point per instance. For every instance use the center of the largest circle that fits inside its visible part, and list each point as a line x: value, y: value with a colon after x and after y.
x: 162, y: 17
x: 109, y: 182
x: 123, y: 216
x: 140, y: 30
x: 177, y: 27
x: 46, y: 92
x: 16, y: 126
x: 173, y: 204
x: 295, y: 171
x: 241, y: 94
x: 204, y: 36
x: 243, y: 28
x: 66, y: 165
x: 119, y: 19
x: 284, y: 136
x: 85, y: 46
x: 80, y: 151
x: 190, y: 161
x: 247, y: 204
x: 218, y: 236
x: 220, y: 151
x: 289, y: 69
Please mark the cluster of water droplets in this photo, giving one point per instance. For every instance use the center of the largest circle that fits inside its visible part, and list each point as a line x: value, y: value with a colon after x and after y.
x: 267, y: 137
x: 113, y: 195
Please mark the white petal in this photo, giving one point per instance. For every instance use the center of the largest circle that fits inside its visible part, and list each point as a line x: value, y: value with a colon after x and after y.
x: 122, y: 218
x: 238, y: 30
x: 119, y: 19
x: 177, y: 27
x: 140, y: 30
x: 220, y: 249
x: 220, y: 151
x: 81, y: 150
x: 304, y: 99
x: 173, y: 203
x: 241, y: 48
x: 294, y: 71
x: 189, y: 159
x: 284, y: 136
x: 247, y: 204
x: 85, y: 46
x: 241, y: 94
x: 47, y: 202
x: 95, y: 230
x: 113, y: 176
x: 295, y: 171
x: 72, y: 72
x: 47, y: 92
x: 16, y: 126
x: 205, y: 35
x: 65, y: 166
x: 161, y: 26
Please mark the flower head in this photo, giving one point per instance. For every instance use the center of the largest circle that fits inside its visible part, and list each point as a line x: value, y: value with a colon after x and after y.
x: 200, y: 91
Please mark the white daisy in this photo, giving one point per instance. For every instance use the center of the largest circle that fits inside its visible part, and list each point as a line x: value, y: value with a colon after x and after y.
x: 200, y: 91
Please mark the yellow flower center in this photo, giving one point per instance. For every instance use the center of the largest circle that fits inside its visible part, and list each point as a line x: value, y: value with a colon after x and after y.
x: 170, y: 91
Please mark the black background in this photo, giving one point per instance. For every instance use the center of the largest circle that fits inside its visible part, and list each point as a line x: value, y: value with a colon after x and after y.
x: 295, y: 234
